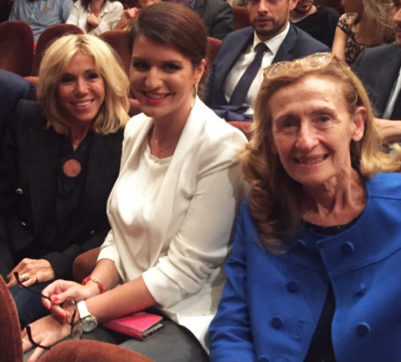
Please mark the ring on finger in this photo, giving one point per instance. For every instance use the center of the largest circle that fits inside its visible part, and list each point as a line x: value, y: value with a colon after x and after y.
x: 24, y: 277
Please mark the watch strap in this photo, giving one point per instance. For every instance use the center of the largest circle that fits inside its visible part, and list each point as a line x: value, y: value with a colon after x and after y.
x: 82, y: 309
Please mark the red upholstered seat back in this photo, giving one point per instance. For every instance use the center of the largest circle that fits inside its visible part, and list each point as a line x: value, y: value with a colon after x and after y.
x: 16, y: 47
x: 48, y: 36
x: 10, y: 332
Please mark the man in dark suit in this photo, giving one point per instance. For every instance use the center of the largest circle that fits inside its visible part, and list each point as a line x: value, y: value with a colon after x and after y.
x: 379, y: 69
x: 270, y: 25
x: 216, y: 15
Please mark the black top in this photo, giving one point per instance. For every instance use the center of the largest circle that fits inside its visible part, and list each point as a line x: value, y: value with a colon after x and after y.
x: 70, y: 188
x: 321, y: 347
x: 321, y: 24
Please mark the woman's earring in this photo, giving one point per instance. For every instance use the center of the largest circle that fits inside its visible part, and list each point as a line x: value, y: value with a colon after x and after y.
x: 195, y: 90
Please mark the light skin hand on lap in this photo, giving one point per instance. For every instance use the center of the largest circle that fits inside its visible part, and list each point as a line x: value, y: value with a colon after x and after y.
x: 46, y: 331
x: 39, y: 270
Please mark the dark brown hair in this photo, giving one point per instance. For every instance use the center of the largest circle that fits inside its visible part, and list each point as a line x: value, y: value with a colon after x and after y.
x: 86, y: 3
x: 174, y: 25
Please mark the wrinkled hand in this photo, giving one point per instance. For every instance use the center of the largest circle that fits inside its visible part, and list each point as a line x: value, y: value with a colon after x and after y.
x: 39, y: 270
x: 93, y: 20
x: 61, y: 290
x: 46, y: 332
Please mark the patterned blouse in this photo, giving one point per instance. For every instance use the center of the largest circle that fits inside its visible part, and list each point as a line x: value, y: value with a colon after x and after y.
x: 352, y: 48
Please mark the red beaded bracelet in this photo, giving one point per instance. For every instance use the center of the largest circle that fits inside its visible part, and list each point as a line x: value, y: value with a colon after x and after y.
x: 92, y: 279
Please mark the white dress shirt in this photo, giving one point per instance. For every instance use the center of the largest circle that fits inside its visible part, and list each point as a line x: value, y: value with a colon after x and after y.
x: 245, y: 60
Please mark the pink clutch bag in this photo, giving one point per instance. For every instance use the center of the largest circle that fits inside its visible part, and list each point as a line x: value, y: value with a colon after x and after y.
x: 139, y: 325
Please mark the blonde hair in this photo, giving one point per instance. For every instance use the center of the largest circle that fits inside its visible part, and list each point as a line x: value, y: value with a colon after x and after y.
x: 375, y: 23
x: 113, y: 113
x: 275, y: 198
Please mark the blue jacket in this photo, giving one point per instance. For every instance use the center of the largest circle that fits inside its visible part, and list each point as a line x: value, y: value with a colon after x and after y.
x: 272, y: 303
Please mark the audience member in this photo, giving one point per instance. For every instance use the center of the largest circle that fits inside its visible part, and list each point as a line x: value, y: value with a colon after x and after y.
x: 237, y: 72
x: 311, y: 276
x: 95, y: 16
x: 173, y: 204
x: 216, y: 14
x: 130, y: 14
x: 365, y: 23
x: 40, y: 14
x: 379, y: 68
x: 60, y: 160
x: 318, y: 21
x: 12, y: 88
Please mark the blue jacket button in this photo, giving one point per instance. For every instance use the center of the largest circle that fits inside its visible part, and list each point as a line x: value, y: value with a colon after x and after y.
x: 277, y: 322
x: 348, y: 248
x: 301, y: 243
x: 363, y: 329
x: 292, y: 287
x: 361, y: 290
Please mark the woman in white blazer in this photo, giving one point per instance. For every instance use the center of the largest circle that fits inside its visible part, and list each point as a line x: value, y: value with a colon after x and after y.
x: 95, y: 16
x: 173, y: 204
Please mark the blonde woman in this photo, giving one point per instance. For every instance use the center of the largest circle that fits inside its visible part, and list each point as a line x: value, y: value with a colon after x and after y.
x: 365, y: 23
x: 60, y: 160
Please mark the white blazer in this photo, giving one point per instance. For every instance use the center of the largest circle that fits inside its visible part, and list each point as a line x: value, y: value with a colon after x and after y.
x: 188, y: 238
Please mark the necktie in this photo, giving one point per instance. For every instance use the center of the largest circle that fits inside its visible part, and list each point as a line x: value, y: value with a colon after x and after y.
x: 396, y: 113
x: 241, y: 89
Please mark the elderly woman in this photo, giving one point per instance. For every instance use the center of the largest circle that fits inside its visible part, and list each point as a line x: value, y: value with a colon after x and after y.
x: 315, y: 268
x: 172, y: 207
x: 95, y: 16
x: 60, y: 160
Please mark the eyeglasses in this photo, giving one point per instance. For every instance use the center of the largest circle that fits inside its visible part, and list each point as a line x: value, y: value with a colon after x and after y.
x: 33, y: 291
x: 75, y: 333
x: 310, y: 62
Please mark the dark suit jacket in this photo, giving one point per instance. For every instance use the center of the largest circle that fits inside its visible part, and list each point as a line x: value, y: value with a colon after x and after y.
x: 12, y: 88
x: 378, y: 69
x: 217, y: 16
x: 296, y: 44
x: 28, y: 190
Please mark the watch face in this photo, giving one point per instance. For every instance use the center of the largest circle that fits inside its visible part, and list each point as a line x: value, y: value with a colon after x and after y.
x: 88, y: 324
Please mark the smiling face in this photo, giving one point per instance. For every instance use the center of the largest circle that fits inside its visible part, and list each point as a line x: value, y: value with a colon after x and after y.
x: 312, y: 130
x: 81, y: 91
x: 162, y: 79
x: 269, y: 17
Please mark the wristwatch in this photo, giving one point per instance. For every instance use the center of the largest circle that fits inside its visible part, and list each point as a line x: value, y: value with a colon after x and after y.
x: 87, y: 321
